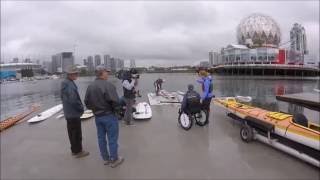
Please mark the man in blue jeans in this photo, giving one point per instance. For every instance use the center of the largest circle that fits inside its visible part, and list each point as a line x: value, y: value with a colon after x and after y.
x: 102, y: 98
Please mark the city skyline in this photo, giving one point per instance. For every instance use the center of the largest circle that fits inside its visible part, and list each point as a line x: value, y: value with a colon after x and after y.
x: 153, y: 33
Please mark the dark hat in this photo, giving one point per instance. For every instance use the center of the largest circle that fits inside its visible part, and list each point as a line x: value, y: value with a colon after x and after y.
x: 190, y: 87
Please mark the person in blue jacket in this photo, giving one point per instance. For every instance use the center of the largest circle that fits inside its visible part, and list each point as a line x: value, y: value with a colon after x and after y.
x: 207, y: 89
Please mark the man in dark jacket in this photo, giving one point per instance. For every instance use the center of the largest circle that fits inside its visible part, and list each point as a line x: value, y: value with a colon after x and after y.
x: 102, y: 98
x: 128, y: 85
x: 73, y: 109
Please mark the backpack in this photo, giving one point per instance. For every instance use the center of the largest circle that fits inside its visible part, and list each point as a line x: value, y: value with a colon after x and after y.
x: 193, y: 102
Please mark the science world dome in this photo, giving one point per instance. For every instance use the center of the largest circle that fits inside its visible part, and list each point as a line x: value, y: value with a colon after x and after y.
x: 259, y: 30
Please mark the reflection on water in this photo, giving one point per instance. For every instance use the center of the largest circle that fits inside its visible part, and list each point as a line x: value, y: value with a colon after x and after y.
x: 16, y: 97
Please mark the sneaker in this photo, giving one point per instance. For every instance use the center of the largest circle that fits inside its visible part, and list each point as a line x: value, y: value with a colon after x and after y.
x: 130, y: 124
x: 117, y: 162
x: 107, y: 162
x: 82, y: 154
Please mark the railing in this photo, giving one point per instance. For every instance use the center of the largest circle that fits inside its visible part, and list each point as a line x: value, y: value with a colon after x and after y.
x: 267, y: 65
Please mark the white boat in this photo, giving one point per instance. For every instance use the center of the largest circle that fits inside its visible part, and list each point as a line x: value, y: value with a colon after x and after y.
x: 87, y: 114
x: 143, y: 111
x: 60, y: 116
x: 46, y: 114
x: 167, y: 94
x: 243, y: 98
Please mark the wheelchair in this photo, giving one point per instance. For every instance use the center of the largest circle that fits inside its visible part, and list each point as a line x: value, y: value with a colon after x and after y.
x: 186, y: 119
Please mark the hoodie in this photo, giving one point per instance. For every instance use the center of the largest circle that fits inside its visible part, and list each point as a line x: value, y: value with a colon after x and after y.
x: 206, y: 82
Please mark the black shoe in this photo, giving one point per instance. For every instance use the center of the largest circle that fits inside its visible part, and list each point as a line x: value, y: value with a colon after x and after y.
x: 130, y: 124
x: 81, y: 154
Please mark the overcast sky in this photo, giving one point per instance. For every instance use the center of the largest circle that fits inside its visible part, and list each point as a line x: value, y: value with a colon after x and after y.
x: 157, y: 33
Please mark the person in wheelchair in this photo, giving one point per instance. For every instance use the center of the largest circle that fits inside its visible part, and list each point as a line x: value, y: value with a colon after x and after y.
x: 191, y: 101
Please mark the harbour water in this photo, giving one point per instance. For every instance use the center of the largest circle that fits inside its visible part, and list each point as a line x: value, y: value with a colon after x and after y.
x: 154, y: 149
x: 17, y: 97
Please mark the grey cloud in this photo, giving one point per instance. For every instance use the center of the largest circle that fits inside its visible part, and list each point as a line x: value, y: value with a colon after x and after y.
x: 167, y: 32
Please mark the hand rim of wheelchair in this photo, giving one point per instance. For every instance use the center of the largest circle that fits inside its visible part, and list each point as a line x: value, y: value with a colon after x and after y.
x: 203, y: 120
x: 187, y: 122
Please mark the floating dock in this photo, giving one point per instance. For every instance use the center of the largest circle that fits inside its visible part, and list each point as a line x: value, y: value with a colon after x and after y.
x: 309, y: 100
x: 155, y: 149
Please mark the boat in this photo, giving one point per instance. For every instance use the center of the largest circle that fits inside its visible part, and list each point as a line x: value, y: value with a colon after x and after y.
x: 165, y: 98
x: 11, y: 121
x: 143, y: 111
x: 87, y: 114
x: 244, y: 98
x: 293, y: 134
x: 167, y: 94
x: 46, y: 114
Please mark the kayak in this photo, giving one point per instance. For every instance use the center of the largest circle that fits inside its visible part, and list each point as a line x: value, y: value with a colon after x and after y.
x: 46, y: 114
x: 9, y: 122
x: 87, y: 114
x: 292, y: 134
x: 143, y: 111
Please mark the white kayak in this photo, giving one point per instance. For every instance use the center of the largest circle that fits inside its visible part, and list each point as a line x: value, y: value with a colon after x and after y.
x: 244, y: 98
x: 87, y: 114
x: 46, y: 114
x: 143, y: 111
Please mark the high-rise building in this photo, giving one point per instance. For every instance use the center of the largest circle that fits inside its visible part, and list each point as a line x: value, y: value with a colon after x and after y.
x: 113, y: 64
x: 15, y: 60
x: 106, y: 61
x: 132, y: 63
x: 97, y: 60
x: 215, y: 59
x: 61, y: 61
x: 90, y: 64
x: 85, y: 62
x: 119, y: 64
x: 298, y: 46
x: 211, y: 58
x: 55, y: 63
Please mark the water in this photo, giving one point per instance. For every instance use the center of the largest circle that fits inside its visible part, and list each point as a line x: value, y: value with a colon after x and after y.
x: 17, y: 97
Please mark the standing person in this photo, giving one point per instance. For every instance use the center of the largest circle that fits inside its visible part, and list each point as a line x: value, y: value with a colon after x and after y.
x: 102, y: 98
x: 135, y: 76
x: 128, y: 85
x: 73, y: 109
x: 158, y: 85
x: 207, y: 88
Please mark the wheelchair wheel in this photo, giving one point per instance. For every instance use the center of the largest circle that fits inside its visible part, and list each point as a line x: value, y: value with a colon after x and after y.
x: 202, y: 118
x: 185, y: 121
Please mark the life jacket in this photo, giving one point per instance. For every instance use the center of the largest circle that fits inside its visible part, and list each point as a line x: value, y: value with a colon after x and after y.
x: 193, y: 102
x: 210, y: 86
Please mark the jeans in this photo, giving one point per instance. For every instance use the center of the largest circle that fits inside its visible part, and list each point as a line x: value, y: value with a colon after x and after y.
x: 75, y: 134
x: 108, y: 125
x: 128, y: 113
